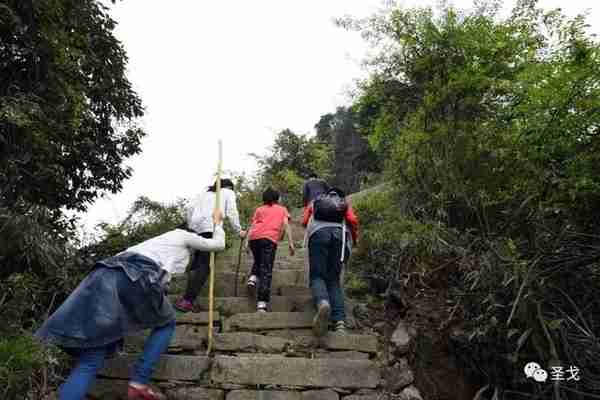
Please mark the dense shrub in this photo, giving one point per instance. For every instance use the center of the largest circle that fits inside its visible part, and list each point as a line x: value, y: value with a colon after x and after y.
x: 27, y: 369
x: 490, y: 131
x: 393, y: 242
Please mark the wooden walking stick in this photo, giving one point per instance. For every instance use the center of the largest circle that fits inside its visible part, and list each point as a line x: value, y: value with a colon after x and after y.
x: 211, y: 287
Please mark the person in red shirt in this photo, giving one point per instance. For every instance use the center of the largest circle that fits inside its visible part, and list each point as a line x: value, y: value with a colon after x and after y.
x: 329, y: 246
x: 266, y: 230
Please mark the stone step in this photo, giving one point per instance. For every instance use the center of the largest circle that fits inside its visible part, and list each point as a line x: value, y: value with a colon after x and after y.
x: 109, y: 389
x: 227, y: 306
x: 238, y: 305
x: 266, y: 321
x: 338, y: 341
x: 292, y: 371
x: 186, y: 337
x: 169, y: 367
x: 249, y: 342
x: 230, y: 263
x: 116, y: 389
x: 196, y: 318
x: 195, y: 393
x: 294, y: 291
x: 345, y: 355
x: 258, y: 370
x: 225, y: 282
x: 344, y: 344
x: 326, y: 394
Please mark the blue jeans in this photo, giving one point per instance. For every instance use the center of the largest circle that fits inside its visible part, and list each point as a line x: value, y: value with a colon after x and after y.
x: 91, y: 361
x: 325, y: 250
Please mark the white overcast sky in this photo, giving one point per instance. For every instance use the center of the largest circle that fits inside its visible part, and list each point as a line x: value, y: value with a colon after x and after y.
x: 239, y: 71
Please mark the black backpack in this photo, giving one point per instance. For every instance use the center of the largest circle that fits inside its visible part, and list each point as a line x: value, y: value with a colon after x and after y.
x: 330, y: 207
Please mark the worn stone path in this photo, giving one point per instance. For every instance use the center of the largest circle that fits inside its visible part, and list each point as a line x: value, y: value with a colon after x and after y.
x: 266, y: 356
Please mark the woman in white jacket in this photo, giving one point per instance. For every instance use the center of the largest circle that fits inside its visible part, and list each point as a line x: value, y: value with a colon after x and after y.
x: 199, y: 219
x: 124, y: 294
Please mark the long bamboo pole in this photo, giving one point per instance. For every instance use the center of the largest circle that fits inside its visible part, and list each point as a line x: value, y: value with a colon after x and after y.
x: 211, y: 287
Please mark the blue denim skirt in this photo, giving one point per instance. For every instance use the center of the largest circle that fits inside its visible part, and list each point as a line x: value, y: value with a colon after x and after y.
x: 121, y: 296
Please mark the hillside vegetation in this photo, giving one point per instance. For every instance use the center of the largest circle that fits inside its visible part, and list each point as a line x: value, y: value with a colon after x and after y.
x: 480, y: 133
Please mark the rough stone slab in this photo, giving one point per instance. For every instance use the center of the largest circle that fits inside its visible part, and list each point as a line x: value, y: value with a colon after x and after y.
x: 231, y: 386
x: 335, y: 341
x: 410, y: 393
x: 263, y: 395
x: 225, y: 282
x: 401, y: 339
x: 249, y: 342
x: 260, y: 355
x: 326, y: 394
x: 169, y: 367
x: 196, y: 393
x: 109, y: 389
x: 228, y: 306
x: 292, y: 371
x: 192, y: 318
x: 366, y: 392
x: 187, y: 337
x: 270, y: 320
x: 348, y: 355
x: 289, y: 333
x: 375, y: 396
x: 295, y: 291
x: 304, y: 338
x: 398, y: 376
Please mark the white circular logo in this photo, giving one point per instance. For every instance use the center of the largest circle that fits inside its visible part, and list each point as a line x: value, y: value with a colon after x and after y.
x: 530, y: 368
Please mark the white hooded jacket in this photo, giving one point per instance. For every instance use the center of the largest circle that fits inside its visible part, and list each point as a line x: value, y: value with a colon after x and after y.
x: 200, y: 210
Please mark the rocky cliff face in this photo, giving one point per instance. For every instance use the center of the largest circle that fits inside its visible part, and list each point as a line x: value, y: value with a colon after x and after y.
x: 350, y: 148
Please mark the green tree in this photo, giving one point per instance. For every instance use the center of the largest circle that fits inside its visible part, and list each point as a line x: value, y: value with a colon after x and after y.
x: 290, y: 160
x: 489, y: 128
x: 146, y: 219
x: 67, y: 111
x: 68, y: 121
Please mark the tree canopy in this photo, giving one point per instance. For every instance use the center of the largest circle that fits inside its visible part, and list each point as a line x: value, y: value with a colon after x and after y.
x: 68, y: 113
x: 490, y: 130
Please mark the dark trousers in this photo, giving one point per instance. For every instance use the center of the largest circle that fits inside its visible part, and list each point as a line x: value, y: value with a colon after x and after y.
x: 199, y: 271
x: 325, y: 250
x: 263, y: 251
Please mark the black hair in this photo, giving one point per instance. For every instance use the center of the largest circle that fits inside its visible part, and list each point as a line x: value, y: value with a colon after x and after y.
x: 337, y: 191
x: 225, y: 184
x: 312, y: 175
x: 270, y: 196
x: 184, y: 226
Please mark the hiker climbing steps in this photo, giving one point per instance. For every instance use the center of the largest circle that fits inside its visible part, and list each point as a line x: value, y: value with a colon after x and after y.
x: 273, y: 355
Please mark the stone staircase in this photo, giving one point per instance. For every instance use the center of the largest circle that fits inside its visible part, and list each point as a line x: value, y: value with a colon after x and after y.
x: 266, y: 356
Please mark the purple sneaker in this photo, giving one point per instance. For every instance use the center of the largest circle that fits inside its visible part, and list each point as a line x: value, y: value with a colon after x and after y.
x: 184, y: 305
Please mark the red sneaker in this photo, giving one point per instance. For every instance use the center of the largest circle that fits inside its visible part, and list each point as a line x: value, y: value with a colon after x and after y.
x: 184, y: 305
x: 134, y: 393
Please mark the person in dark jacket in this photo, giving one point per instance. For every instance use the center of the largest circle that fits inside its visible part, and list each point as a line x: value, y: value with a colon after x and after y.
x: 124, y: 294
x: 313, y: 188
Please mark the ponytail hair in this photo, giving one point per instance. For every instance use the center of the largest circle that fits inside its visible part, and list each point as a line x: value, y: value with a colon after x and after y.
x: 225, y: 184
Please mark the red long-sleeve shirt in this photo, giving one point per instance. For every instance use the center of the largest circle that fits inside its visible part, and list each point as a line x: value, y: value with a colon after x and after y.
x: 350, y: 217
